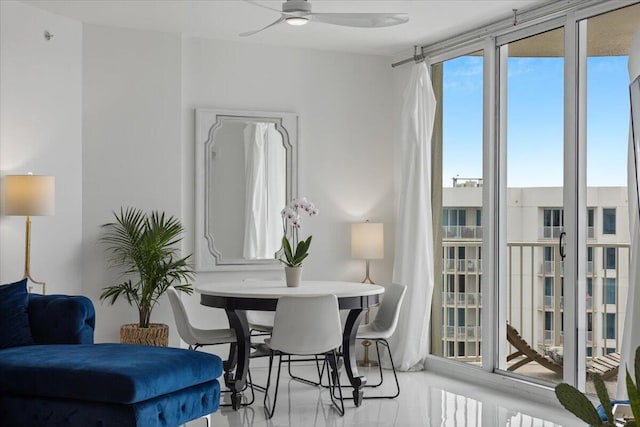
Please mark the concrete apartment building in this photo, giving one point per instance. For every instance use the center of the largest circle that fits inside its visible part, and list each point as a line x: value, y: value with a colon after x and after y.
x: 534, y: 268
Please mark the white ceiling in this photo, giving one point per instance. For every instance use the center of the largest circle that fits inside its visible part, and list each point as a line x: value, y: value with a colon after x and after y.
x: 430, y: 20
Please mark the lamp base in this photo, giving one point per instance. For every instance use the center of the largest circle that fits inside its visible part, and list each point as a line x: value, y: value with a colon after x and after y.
x: 369, y: 364
x: 366, y: 343
x: 27, y: 257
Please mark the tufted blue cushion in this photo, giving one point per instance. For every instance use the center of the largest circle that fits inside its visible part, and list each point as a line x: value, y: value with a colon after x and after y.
x: 14, y: 320
x: 61, y: 319
x: 118, y: 373
x: 168, y: 410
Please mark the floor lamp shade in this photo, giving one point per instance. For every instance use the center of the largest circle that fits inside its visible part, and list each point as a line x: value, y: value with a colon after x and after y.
x: 29, y: 195
x: 367, y: 240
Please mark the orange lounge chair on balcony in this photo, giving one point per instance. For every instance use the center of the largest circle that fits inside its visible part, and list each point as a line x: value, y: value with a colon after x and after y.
x: 606, y: 366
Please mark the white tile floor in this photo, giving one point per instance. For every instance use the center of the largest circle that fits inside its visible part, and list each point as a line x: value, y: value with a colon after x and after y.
x: 426, y: 399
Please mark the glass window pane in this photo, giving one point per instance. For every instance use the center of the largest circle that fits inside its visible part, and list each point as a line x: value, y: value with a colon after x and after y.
x: 609, y: 291
x: 534, y: 206
x: 608, y: 221
x: 458, y: 87
x: 609, y: 259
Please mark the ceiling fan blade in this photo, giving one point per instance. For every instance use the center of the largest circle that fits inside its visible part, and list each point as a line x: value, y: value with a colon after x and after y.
x: 255, y: 3
x: 276, y: 22
x: 363, y: 20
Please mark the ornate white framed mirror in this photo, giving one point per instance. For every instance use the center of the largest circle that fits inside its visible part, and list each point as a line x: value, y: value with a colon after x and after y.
x: 246, y: 171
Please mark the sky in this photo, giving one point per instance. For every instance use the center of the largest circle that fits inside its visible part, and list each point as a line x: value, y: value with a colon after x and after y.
x: 535, y: 121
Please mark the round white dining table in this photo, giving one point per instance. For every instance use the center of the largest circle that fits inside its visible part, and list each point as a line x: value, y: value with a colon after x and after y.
x: 237, y: 297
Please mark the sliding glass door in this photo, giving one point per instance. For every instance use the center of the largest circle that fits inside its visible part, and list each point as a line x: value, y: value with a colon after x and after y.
x: 563, y: 124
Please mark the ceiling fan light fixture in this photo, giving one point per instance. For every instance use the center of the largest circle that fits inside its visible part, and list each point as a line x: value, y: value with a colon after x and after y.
x: 297, y: 20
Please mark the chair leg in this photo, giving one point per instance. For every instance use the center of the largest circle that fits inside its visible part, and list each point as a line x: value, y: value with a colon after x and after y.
x: 304, y: 380
x: 395, y: 374
x: 333, y: 374
x: 379, y: 367
x: 270, y: 411
x: 393, y: 367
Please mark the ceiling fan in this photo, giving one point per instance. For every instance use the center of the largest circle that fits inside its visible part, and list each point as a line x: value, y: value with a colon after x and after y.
x: 298, y: 12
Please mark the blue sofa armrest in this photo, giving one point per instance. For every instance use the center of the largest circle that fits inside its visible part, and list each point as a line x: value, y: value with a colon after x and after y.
x: 61, y: 319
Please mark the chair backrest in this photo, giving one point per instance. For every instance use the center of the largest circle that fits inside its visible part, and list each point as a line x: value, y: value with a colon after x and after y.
x: 306, y: 325
x: 389, y: 310
x: 181, y: 318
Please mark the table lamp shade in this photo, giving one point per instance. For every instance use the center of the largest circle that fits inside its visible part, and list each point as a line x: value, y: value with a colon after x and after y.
x: 367, y: 240
x: 29, y: 195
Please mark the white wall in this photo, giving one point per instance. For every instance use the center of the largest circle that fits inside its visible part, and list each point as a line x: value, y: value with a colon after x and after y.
x: 140, y: 89
x: 132, y: 147
x: 40, y: 132
x: 346, y: 143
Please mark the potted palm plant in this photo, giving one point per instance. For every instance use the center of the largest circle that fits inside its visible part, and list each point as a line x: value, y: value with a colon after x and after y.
x: 144, y: 248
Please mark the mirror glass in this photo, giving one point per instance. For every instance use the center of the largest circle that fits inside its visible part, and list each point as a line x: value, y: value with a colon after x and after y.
x: 245, y: 175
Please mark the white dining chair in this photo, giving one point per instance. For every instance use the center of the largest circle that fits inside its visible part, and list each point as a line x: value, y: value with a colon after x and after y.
x: 307, y: 325
x: 381, y: 329
x: 197, y: 338
x: 261, y: 324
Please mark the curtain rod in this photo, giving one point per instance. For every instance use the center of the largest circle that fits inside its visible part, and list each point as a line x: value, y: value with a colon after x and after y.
x: 415, y: 58
x: 535, y: 13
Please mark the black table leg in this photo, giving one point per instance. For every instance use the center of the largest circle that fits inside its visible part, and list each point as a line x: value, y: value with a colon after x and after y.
x: 238, y: 356
x: 349, y: 351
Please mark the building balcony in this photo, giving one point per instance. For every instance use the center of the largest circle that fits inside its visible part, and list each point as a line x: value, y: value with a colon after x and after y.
x: 549, y: 267
x: 462, y: 332
x: 461, y: 299
x: 462, y: 265
x: 470, y: 232
x: 549, y: 301
x: 551, y: 232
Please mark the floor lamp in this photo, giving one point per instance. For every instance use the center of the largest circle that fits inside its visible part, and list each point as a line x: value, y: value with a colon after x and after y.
x: 29, y: 195
x: 367, y: 242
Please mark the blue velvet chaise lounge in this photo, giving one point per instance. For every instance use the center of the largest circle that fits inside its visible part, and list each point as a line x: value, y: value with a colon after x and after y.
x: 58, y: 377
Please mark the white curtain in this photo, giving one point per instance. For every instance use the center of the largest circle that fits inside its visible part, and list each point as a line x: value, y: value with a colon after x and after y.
x: 413, y: 263
x: 264, y: 190
x: 631, y: 334
x: 276, y: 189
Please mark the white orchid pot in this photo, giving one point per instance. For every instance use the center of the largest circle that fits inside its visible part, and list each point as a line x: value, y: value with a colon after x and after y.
x: 293, y: 275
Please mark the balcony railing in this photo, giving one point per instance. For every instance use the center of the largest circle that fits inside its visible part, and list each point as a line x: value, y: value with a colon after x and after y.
x: 549, y: 301
x: 551, y: 232
x: 549, y: 267
x: 471, y: 333
x: 471, y: 299
x: 462, y: 232
x: 527, y: 305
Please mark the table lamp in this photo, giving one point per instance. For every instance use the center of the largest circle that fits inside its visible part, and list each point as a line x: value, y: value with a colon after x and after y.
x: 367, y: 242
x: 29, y: 195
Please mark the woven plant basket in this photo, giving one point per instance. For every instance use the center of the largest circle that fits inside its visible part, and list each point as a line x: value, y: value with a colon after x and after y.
x: 156, y: 334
